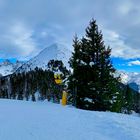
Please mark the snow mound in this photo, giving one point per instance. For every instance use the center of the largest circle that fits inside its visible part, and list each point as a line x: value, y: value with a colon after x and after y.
x: 47, y: 121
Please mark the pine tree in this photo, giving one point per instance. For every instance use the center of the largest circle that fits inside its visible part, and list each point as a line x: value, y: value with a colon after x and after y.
x: 73, y: 84
x: 136, y: 105
x: 128, y: 100
x: 92, y: 82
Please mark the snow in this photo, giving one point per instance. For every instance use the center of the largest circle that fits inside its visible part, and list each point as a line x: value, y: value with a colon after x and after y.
x: 88, y: 99
x: 6, y: 70
x: 82, y: 62
x: 131, y: 78
x: 124, y: 77
x: 91, y: 64
x: 55, y: 51
x: 7, y: 67
x: 22, y: 120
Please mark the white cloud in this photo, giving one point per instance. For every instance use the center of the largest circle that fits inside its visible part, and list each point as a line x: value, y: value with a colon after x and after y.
x: 22, y: 38
x: 135, y: 62
x: 42, y: 22
x: 119, y: 47
x: 20, y: 42
x: 126, y: 7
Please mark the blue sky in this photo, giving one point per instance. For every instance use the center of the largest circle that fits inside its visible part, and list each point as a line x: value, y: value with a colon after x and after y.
x: 28, y: 26
x: 130, y: 65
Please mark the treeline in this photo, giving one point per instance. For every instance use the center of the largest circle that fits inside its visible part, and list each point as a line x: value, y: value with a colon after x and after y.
x: 34, y: 85
x: 130, y: 100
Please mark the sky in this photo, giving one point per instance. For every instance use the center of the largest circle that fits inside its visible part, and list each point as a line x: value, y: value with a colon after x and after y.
x: 28, y: 26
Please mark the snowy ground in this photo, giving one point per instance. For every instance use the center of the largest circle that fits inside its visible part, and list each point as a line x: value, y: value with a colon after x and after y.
x: 21, y: 120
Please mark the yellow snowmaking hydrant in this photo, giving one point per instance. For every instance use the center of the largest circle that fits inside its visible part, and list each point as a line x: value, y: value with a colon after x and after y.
x: 64, y: 98
x: 59, y: 81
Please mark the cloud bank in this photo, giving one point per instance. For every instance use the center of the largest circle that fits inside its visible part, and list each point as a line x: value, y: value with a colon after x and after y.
x: 28, y: 26
x: 136, y: 62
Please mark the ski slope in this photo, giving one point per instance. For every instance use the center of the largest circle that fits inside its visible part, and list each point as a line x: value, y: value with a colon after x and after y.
x: 22, y: 120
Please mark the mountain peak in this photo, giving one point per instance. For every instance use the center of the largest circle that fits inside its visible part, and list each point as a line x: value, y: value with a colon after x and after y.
x: 57, y: 45
x: 53, y: 52
x: 7, y: 67
x: 130, y: 78
x: 6, y: 62
x: 55, y: 48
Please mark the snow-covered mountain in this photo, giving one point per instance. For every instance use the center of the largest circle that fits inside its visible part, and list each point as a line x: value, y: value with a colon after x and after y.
x: 59, y: 52
x: 131, y: 78
x: 55, y: 51
x: 8, y: 67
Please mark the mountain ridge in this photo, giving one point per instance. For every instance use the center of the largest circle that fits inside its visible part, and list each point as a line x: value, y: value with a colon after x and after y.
x: 53, y: 52
x: 7, y: 67
x: 132, y: 79
x: 58, y: 51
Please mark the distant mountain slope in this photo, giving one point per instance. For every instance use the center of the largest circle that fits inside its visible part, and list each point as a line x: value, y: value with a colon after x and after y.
x: 59, y: 52
x: 131, y: 78
x: 8, y: 67
x: 55, y: 51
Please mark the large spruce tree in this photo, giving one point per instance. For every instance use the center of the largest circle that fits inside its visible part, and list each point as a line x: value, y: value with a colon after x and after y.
x: 92, y: 82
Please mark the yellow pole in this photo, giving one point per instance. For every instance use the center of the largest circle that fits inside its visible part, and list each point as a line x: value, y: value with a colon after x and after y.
x: 64, y: 98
